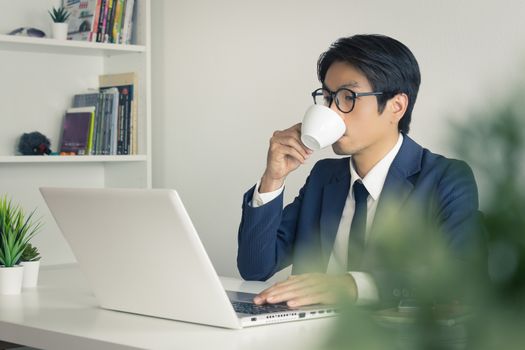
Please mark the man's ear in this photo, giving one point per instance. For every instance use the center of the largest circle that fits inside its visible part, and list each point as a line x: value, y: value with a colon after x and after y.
x: 398, y: 106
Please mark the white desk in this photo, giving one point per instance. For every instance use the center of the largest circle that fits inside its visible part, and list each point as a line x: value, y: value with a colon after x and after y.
x: 62, y: 313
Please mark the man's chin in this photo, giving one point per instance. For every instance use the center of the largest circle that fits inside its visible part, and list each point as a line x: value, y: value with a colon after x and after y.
x: 340, y: 150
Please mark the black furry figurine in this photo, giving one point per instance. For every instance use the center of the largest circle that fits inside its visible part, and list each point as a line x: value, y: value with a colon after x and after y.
x: 34, y: 143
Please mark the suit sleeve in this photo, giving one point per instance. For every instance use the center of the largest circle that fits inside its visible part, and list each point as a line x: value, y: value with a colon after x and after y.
x: 266, y: 236
x: 456, y: 216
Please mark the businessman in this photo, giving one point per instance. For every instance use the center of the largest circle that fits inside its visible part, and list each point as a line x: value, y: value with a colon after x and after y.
x: 327, y: 232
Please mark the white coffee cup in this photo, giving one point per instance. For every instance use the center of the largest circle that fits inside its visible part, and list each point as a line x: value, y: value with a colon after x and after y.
x: 321, y: 127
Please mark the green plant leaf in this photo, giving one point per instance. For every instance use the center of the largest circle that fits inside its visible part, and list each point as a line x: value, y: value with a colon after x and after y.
x: 16, y: 230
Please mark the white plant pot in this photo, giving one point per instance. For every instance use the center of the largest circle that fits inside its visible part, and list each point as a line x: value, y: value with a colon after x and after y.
x: 11, y: 279
x: 31, y: 269
x: 60, y: 31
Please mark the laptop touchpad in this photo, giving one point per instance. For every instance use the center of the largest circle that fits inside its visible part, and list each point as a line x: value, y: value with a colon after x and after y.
x: 240, y: 296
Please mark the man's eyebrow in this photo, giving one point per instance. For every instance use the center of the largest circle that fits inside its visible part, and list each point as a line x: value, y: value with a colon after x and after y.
x: 347, y: 85
x: 351, y: 84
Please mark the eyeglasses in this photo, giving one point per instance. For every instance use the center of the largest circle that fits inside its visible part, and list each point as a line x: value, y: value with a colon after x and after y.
x: 24, y: 31
x: 344, y: 98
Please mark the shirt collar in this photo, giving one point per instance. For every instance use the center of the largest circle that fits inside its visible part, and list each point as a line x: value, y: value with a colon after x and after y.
x: 375, y: 179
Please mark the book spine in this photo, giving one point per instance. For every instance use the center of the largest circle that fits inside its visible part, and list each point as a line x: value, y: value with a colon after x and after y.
x: 99, y: 125
x: 105, y: 21
x: 94, y: 28
x: 122, y: 22
x: 120, y: 134
x: 126, y: 27
x: 107, y: 29
x: 122, y: 124
x: 127, y: 118
x: 117, y: 128
x: 114, y: 120
x: 134, y: 128
x: 89, y: 148
x: 103, y: 126
x: 100, y: 27
x: 117, y: 25
x: 107, y: 124
x: 127, y: 125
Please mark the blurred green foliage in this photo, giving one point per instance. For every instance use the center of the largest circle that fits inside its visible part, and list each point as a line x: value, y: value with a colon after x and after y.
x: 490, y: 291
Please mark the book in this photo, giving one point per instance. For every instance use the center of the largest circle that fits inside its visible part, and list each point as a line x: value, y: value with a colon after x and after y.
x: 103, y: 8
x: 127, y: 20
x: 127, y: 121
x: 91, y: 99
x: 94, y: 30
x: 111, y: 119
x: 77, y: 131
x: 117, y: 24
x: 103, y: 21
x: 105, y: 131
x: 111, y: 18
x: 82, y: 18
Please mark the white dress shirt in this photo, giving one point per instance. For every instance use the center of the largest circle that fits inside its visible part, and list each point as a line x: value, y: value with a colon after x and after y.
x: 373, y: 182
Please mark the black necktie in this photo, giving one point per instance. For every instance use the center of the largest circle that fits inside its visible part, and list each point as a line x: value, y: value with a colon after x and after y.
x: 356, y: 242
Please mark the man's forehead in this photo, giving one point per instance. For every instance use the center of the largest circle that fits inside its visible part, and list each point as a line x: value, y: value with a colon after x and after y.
x: 345, y: 84
x: 344, y: 75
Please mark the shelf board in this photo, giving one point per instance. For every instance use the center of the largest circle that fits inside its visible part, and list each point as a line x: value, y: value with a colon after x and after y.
x: 71, y: 159
x: 74, y: 47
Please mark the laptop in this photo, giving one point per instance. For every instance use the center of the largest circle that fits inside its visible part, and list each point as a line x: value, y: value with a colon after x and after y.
x: 141, y: 254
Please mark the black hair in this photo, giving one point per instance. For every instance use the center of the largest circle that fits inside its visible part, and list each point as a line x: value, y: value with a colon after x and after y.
x: 388, y: 65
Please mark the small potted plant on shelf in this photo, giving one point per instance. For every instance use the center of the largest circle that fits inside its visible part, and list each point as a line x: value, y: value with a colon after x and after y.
x: 59, y: 17
x: 16, y: 230
x: 31, y: 262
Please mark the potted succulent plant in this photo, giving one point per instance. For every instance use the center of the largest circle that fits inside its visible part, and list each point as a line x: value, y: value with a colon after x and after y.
x: 30, y: 260
x: 59, y: 17
x: 16, y: 229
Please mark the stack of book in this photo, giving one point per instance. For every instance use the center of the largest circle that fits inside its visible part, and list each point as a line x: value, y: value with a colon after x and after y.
x: 103, y: 122
x: 104, y: 21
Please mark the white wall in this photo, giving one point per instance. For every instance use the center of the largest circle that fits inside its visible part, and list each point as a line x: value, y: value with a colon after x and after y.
x: 228, y: 73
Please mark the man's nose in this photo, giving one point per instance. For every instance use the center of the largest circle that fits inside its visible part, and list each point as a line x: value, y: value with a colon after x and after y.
x: 333, y: 107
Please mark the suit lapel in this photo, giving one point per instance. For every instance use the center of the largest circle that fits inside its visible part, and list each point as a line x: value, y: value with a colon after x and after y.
x: 334, y: 198
x: 397, y: 185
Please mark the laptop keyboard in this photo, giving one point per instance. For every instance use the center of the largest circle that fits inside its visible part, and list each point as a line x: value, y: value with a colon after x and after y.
x: 253, y: 309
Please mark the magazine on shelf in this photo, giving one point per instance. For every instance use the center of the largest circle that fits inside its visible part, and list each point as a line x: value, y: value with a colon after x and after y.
x: 82, y: 18
x: 77, y: 131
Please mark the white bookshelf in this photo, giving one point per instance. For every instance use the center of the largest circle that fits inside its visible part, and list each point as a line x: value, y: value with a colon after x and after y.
x: 72, y: 159
x: 47, y: 45
x: 39, y: 78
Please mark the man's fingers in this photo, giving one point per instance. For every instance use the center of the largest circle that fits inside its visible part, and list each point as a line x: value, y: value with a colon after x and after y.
x: 273, y: 290
x: 303, y: 280
x: 294, y: 291
x: 279, y: 288
x: 295, y: 287
x: 291, y: 138
x: 292, y: 152
x: 316, y: 298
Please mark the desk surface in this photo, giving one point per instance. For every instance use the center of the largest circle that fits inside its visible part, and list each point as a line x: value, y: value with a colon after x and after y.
x: 62, y: 313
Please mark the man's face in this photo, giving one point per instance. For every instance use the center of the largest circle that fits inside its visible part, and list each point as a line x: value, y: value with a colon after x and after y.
x: 365, y: 127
